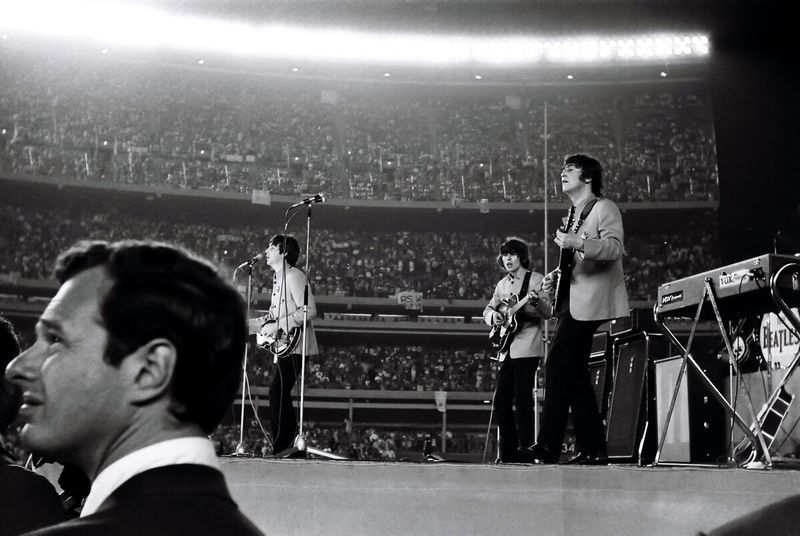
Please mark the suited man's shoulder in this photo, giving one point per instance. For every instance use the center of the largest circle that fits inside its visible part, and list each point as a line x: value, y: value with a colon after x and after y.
x: 159, y: 517
x: 778, y: 519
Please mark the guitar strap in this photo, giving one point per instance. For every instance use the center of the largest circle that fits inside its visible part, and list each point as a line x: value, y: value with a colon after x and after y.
x: 585, y: 213
x: 525, y: 282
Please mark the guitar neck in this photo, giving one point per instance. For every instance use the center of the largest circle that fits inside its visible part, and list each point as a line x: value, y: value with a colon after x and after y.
x: 565, y: 254
x: 520, y: 304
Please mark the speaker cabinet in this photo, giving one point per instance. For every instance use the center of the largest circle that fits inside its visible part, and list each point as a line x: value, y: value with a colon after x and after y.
x: 598, y: 372
x: 601, y: 345
x: 696, y: 432
x: 630, y: 432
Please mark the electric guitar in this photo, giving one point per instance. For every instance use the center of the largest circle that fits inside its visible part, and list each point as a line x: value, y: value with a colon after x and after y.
x: 501, y: 335
x: 564, y: 266
x: 279, y: 343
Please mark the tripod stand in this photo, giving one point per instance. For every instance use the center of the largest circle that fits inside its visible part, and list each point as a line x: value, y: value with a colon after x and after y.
x: 300, y: 443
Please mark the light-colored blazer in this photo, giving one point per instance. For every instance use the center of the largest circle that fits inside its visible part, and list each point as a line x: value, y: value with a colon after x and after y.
x: 527, y: 341
x: 597, y: 287
x: 287, y: 308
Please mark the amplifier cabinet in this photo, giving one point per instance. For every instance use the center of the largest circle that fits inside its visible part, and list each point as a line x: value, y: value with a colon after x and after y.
x: 630, y: 430
x: 696, y: 432
x: 599, y: 375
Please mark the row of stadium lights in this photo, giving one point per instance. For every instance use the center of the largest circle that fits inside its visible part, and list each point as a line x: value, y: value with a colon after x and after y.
x: 527, y: 51
x: 685, y: 46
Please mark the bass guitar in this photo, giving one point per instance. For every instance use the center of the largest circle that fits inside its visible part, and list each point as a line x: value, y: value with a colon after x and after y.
x: 279, y: 343
x: 501, y: 335
x: 564, y: 266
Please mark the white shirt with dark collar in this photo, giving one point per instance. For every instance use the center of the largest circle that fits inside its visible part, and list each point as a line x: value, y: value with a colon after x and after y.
x: 184, y: 450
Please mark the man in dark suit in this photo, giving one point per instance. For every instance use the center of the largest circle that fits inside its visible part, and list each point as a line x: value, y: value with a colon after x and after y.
x: 136, y: 360
x: 595, y: 292
x: 27, y: 500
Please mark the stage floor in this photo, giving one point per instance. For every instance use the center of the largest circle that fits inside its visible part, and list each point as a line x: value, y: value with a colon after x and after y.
x: 308, y: 497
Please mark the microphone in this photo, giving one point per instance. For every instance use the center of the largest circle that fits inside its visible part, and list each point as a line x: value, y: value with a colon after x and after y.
x: 254, y: 259
x: 318, y: 198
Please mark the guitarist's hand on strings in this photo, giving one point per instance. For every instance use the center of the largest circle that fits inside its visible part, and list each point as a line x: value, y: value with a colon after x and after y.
x: 498, y: 318
x: 269, y: 329
x: 549, y: 283
x: 569, y: 241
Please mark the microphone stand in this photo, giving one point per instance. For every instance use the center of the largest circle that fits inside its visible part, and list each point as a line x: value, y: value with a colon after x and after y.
x: 300, y: 443
x: 240, y: 451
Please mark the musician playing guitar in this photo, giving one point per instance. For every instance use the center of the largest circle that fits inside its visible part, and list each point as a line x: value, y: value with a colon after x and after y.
x: 286, y: 316
x: 520, y: 348
x: 594, y: 292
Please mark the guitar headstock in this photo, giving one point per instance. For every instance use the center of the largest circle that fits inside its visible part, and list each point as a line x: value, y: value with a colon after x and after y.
x: 568, y: 221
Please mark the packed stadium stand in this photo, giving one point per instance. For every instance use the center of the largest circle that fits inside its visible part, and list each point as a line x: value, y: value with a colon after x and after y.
x: 221, y: 131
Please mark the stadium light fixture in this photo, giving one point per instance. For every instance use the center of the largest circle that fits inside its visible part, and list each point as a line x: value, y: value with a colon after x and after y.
x: 129, y: 25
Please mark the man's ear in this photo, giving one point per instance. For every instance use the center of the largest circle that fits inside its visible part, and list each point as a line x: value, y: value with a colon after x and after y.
x: 149, y: 370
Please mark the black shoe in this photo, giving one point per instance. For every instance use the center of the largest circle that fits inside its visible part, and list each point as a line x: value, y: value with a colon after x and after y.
x: 536, y: 453
x: 575, y: 460
x: 597, y: 458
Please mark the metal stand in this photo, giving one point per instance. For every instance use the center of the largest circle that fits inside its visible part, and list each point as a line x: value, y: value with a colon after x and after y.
x: 300, y: 443
x: 240, y: 451
x: 755, y: 435
x: 779, y: 397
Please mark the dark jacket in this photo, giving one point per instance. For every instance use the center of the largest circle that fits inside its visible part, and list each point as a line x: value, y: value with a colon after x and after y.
x: 28, y: 500
x: 172, y: 500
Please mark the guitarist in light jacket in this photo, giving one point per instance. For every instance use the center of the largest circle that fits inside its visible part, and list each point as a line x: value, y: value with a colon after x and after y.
x: 286, y: 309
x: 595, y: 293
x: 518, y: 363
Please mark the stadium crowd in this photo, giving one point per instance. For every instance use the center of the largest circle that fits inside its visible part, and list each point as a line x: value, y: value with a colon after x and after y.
x: 159, y: 126
x: 390, y: 368
x: 443, y: 265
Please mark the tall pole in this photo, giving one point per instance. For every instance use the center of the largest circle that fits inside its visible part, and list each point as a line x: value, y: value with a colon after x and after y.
x: 546, y: 201
x: 546, y: 268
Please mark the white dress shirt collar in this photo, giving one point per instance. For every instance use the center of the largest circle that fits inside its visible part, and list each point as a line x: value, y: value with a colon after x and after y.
x: 192, y: 450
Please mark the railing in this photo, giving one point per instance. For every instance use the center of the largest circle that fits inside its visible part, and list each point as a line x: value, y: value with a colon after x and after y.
x: 391, y: 409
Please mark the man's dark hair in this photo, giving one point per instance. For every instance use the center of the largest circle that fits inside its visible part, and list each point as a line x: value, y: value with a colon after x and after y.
x: 161, y: 291
x: 10, y: 395
x: 590, y: 169
x: 517, y: 246
x: 289, y: 245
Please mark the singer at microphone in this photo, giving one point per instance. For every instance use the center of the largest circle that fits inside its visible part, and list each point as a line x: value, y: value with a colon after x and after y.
x: 318, y: 198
